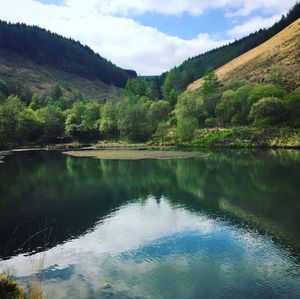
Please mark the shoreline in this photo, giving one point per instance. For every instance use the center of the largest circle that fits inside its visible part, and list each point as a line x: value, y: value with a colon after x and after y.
x: 179, y: 147
x: 214, y: 138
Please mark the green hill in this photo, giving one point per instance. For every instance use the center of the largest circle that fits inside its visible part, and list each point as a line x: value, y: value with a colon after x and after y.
x: 277, y: 59
x: 194, y: 68
x: 33, y: 59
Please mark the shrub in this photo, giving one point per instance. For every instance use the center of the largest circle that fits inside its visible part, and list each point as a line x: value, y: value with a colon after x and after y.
x: 268, y: 111
x: 186, y: 128
x: 293, y: 106
x: 264, y: 91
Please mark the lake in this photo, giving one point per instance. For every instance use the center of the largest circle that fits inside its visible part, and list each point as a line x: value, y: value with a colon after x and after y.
x: 225, y: 225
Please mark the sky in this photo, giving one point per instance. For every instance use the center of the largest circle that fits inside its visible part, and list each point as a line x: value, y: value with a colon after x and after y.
x: 149, y: 36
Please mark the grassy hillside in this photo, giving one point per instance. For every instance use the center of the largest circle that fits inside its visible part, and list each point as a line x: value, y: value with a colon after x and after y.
x: 50, y: 49
x: 177, y: 79
x: 279, y: 56
x: 25, y: 77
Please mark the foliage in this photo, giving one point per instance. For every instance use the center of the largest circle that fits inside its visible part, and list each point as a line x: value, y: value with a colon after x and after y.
x: 108, y: 121
x: 153, y: 106
x: 158, y: 111
x: 136, y: 88
x: 52, y: 119
x: 247, y: 136
x: 68, y: 55
x: 265, y: 90
x: 133, y: 121
x: 233, y: 109
x: 190, y: 104
x: 278, y: 76
x: 162, y: 131
x: 196, y: 67
x: 173, y: 85
x: 56, y: 92
x: 82, y: 120
x: 293, y: 106
x: 211, y: 83
x: 186, y: 128
x: 268, y: 111
x: 30, y: 126
x: 10, y: 112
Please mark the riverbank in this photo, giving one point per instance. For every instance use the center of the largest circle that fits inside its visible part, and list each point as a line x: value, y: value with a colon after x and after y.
x: 248, y: 137
x: 239, y: 137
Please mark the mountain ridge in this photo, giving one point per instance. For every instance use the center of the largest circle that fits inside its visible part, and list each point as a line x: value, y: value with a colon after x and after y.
x: 276, y: 54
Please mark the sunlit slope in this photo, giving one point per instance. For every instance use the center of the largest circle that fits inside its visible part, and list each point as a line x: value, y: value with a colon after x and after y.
x: 279, y: 56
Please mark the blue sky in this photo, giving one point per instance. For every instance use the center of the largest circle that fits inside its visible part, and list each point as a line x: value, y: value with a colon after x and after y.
x: 150, y: 36
x: 187, y: 26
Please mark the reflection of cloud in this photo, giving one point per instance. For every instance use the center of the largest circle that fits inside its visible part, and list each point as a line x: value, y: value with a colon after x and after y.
x: 184, y: 244
x: 53, y: 272
x: 142, y: 248
x: 127, y: 229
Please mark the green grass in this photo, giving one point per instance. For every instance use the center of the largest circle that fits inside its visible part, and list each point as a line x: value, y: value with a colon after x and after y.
x: 245, y: 137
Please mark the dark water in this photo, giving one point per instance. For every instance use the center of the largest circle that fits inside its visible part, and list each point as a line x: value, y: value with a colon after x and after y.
x: 224, y: 226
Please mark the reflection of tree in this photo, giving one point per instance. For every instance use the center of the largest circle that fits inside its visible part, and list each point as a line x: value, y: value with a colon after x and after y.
x: 259, y: 188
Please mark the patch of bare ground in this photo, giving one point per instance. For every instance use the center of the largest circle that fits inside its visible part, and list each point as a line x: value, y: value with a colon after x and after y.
x: 135, y: 154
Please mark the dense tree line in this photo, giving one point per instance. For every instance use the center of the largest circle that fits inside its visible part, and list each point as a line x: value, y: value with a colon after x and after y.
x: 212, y: 105
x: 55, y: 118
x: 151, y: 109
x: 194, y: 68
x: 48, y: 48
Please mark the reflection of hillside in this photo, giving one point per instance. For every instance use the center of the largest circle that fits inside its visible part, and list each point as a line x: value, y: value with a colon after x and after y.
x: 38, y: 191
x: 263, y: 185
x: 261, y: 224
x: 71, y: 195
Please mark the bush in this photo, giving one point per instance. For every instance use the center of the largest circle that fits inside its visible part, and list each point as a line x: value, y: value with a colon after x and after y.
x: 190, y: 104
x: 293, y: 106
x: 233, y: 108
x: 211, y: 122
x: 53, y: 121
x: 268, y: 111
x: 264, y: 91
x: 133, y: 121
x: 10, y: 111
x: 108, y: 121
x: 162, y: 131
x: 186, y: 128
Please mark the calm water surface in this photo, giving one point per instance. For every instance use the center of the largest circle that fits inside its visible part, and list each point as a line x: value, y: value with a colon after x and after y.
x: 223, y: 226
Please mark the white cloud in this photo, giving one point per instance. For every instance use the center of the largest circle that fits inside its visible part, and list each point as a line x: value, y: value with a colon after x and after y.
x: 105, y: 26
x: 251, y: 26
x: 265, y: 6
x: 194, y: 7
x: 121, y: 40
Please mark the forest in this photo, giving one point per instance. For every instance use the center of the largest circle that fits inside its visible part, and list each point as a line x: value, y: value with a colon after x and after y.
x: 194, y: 68
x: 152, y: 110
x: 46, y: 48
x: 53, y: 117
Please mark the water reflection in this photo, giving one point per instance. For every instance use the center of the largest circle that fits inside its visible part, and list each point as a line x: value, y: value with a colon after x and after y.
x: 223, y: 226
